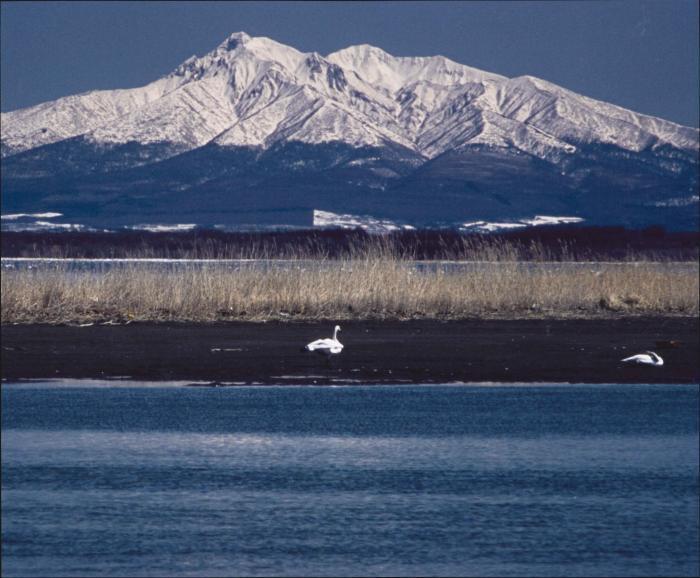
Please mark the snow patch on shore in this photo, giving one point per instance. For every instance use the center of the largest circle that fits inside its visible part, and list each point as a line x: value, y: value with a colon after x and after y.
x: 536, y: 221
x: 163, y: 228
x: 545, y: 220
x: 489, y: 227
x: 15, y: 216
x: 679, y: 201
x: 326, y: 219
x: 44, y: 226
x: 35, y: 222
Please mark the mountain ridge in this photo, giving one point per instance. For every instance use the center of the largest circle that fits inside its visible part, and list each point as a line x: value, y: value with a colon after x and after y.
x: 399, y: 88
x: 389, y: 120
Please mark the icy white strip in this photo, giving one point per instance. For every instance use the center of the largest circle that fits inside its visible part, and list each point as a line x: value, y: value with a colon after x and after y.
x: 44, y: 226
x: 490, y: 227
x: 545, y: 220
x: 163, y: 228
x: 499, y: 226
x: 118, y: 381
x: 538, y: 220
x: 71, y: 226
x: 368, y: 223
x: 15, y: 216
x: 679, y: 201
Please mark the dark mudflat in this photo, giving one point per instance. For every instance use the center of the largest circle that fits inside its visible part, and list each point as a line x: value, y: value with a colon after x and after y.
x: 573, y: 351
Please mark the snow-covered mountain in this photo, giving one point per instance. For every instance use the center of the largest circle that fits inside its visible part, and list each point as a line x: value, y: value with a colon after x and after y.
x: 255, y: 92
x: 379, y: 125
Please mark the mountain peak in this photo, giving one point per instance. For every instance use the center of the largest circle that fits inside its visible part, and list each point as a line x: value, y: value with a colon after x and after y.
x: 485, y: 146
x: 254, y: 91
x: 234, y: 40
x: 393, y: 73
x: 240, y: 45
x: 363, y: 51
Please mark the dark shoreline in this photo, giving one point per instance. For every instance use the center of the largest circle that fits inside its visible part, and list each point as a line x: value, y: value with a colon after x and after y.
x: 376, y: 352
x: 581, y: 242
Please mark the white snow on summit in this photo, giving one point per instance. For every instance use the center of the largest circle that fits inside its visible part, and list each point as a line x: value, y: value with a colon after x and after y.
x: 254, y: 91
x: 76, y: 115
x: 392, y: 73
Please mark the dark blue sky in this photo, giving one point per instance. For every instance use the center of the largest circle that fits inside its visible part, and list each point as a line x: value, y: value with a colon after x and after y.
x: 639, y: 54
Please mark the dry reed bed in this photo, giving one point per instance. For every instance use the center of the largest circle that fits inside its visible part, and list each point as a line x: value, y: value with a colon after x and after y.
x: 351, y: 289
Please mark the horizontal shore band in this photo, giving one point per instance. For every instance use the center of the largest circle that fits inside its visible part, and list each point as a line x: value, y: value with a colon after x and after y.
x: 375, y: 352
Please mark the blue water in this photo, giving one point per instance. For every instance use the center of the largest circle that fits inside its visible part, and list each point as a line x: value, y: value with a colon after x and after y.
x: 9, y: 264
x: 590, y: 480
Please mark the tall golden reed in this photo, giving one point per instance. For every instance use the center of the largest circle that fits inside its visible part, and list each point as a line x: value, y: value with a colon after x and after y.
x: 371, y: 282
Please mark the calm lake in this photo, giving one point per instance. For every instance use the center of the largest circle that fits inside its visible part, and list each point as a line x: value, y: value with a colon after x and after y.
x: 126, y: 479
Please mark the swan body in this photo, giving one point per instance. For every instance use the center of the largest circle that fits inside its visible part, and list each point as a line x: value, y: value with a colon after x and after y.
x: 646, y: 358
x: 327, y: 347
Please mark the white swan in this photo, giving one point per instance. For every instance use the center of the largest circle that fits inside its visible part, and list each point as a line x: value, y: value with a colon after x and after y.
x: 646, y: 358
x: 326, y: 347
